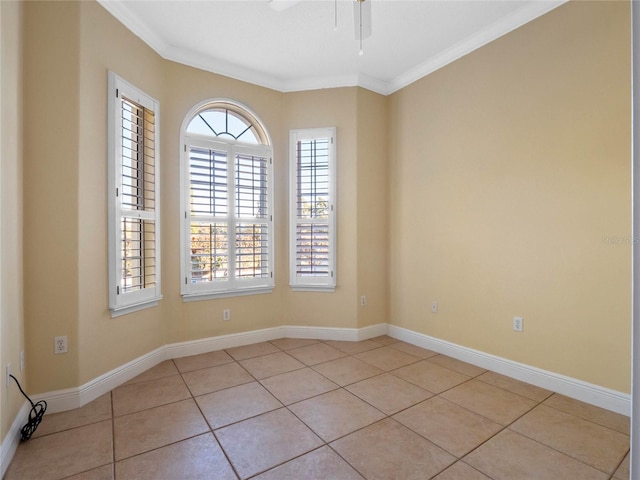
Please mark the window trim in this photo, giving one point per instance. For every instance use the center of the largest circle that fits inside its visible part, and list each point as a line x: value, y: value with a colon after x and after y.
x: 124, y: 303
x: 232, y: 147
x: 311, y: 283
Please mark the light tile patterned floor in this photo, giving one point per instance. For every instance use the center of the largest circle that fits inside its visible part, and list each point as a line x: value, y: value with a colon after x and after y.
x: 305, y: 409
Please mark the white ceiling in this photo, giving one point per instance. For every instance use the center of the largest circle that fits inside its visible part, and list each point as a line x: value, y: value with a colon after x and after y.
x: 298, y: 48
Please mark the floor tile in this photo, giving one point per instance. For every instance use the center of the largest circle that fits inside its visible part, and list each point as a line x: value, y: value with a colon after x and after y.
x: 430, y: 376
x: 515, y: 386
x: 63, y: 454
x: 489, y: 401
x: 347, y: 370
x: 209, y: 380
x: 461, y: 471
x: 298, y: 385
x: 270, y: 365
x: 143, y: 395
x: 322, y: 463
x: 143, y: 431
x: 334, y: 414
x: 235, y: 404
x: 195, y: 458
x: 388, y: 450
x: 413, y: 350
x: 449, y: 426
x: 93, y: 412
x: 204, y: 360
x: 389, y: 393
x: 100, y: 473
x: 384, y: 340
x: 387, y: 358
x: 606, y: 418
x: 457, y: 365
x: 290, y: 343
x: 622, y: 472
x: 510, y: 456
x: 352, y: 348
x: 254, y: 350
x: 316, y: 353
x: 163, y: 369
x: 585, y: 441
x: 262, y: 442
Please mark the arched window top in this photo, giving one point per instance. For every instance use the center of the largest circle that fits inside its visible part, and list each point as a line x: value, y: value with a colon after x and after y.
x: 225, y: 119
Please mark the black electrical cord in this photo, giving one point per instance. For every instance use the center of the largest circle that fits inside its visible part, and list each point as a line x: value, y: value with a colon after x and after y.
x: 35, y: 415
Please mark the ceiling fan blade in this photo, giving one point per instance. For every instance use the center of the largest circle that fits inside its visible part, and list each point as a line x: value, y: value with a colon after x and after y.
x: 280, y: 5
x: 362, y: 18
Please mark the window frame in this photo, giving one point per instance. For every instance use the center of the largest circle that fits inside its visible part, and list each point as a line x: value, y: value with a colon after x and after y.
x: 234, y: 286
x: 120, y: 302
x: 312, y: 283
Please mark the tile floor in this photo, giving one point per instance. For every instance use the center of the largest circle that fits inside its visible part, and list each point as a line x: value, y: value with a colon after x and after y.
x: 307, y: 409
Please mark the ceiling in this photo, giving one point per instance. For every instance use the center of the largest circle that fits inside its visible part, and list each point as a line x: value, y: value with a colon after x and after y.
x: 294, y: 45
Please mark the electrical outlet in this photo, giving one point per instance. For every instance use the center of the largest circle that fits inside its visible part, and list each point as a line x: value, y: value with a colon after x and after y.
x: 518, y: 324
x: 8, y: 373
x: 60, y: 344
x: 363, y: 300
x: 226, y: 314
x: 434, y: 307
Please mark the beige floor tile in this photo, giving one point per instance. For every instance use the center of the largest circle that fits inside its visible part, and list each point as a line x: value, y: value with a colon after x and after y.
x: 449, y: 426
x: 431, y: 377
x: 290, y: 343
x: 100, y: 473
x: 198, y: 457
x: 209, y: 380
x: 461, y: 471
x: 153, y: 393
x: 384, y: 340
x: 150, y: 429
x: 63, y: 454
x: 345, y: 371
x: 489, y: 401
x: 298, y: 385
x: 387, y: 358
x: 254, y: 350
x: 457, y: 365
x: 163, y: 369
x: 510, y: 456
x: 389, y: 393
x: 351, y: 348
x: 262, y: 442
x: 622, y: 472
x: 237, y: 403
x: 322, y: 463
x: 316, y: 353
x: 606, y: 418
x: 515, y: 386
x: 334, y: 414
x: 413, y: 350
x: 585, y: 441
x: 93, y: 412
x: 204, y: 360
x: 388, y: 450
x: 270, y: 365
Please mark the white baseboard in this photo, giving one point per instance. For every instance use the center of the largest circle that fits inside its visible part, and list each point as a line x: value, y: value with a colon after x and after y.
x: 10, y: 443
x: 600, y: 396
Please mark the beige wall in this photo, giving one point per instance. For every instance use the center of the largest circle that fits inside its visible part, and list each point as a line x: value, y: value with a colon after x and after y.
x: 509, y: 170
x: 11, y: 272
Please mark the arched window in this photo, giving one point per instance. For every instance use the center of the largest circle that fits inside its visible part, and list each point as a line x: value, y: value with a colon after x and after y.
x: 227, y: 201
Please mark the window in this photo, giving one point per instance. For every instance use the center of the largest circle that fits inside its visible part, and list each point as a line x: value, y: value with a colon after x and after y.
x: 134, y: 220
x: 227, y: 202
x: 312, y: 207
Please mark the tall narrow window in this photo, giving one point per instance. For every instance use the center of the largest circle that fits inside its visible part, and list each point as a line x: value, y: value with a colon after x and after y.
x: 312, y: 207
x: 227, y: 221
x: 134, y: 227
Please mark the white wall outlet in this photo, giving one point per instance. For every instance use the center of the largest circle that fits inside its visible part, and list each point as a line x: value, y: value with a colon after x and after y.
x: 434, y: 307
x: 226, y: 314
x: 60, y: 344
x: 8, y: 373
x: 22, y: 360
x: 518, y: 324
x: 363, y: 300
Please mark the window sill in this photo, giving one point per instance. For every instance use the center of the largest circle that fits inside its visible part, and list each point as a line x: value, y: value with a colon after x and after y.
x: 126, y: 309
x: 311, y: 288
x: 195, y: 297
